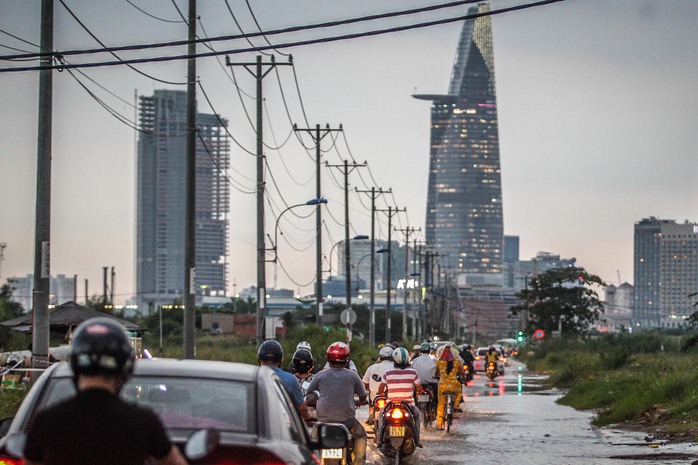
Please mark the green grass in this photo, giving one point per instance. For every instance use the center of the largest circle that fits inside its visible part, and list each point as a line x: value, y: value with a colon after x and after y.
x: 624, y: 379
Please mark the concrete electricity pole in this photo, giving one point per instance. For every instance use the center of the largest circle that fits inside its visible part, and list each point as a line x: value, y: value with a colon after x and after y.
x: 347, y: 168
x: 42, y: 237
x: 317, y: 134
x: 388, y: 320
x: 257, y: 70
x: 407, y: 232
x: 189, y: 285
x: 373, y: 193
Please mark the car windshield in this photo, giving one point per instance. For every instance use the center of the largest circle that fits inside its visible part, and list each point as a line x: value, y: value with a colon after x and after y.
x: 195, y: 403
x: 181, y: 403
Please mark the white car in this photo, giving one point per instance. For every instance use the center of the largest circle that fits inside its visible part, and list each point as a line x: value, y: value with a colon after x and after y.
x: 480, y: 357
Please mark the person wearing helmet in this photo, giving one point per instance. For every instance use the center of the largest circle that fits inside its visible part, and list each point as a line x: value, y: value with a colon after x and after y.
x: 271, y: 354
x: 336, y: 388
x: 96, y: 425
x: 374, y: 375
x: 468, y: 360
x: 304, y: 345
x: 399, y: 384
x: 448, y: 370
x: 425, y: 365
x: 350, y: 365
x: 302, y: 366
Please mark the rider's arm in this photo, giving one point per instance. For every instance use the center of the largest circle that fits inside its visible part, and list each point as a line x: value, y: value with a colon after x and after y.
x: 381, y: 387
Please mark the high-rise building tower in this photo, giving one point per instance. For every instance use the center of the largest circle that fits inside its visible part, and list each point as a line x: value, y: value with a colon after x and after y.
x: 160, y: 200
x: 665, y: 272
x: 464, y: 198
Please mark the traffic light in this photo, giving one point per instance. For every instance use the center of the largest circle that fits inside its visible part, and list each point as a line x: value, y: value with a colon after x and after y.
x: 520, y: 337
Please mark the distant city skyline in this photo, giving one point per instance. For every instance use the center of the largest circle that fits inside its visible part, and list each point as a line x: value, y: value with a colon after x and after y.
x: 596, y: 110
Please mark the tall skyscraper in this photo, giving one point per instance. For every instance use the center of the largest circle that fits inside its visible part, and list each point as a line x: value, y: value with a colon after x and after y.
x: 160, y: 200
x: 464, y: 198
x: 665, y: 272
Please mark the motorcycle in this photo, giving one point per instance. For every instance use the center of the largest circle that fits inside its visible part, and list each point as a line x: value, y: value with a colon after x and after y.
x: 491, y: 371
x: 427, y: 406
x: 469, y: 373
x: 338, y: 456
x: 396, y: 435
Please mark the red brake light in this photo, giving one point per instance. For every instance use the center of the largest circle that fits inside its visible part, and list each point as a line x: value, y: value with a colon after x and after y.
x: 396, y: 414
x: 380, y: 404
x: 10, y: 461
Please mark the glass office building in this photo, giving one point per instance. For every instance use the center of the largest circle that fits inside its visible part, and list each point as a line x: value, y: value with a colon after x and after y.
x: 464, y: 200
x: 161, y: 200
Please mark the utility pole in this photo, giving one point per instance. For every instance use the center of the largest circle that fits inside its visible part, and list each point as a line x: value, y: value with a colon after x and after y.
x: 407, y: 232
x: 373, y: 193
x: 256, y: 69
x: 346, y: 169
x: 2, y: 255
x: 317, y: 136
x: 189, y: 286
x: 388, y: 320
x: 42, y: 237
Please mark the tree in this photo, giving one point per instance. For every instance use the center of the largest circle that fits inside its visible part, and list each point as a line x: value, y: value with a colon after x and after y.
x: 561, y: 299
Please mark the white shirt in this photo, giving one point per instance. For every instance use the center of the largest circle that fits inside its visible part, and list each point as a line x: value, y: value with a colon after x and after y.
x: 374, y: 376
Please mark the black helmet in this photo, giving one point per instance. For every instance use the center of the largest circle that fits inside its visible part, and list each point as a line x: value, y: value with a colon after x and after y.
x: 100, y: 347
x: 270, y: 351
x: 303, y: 362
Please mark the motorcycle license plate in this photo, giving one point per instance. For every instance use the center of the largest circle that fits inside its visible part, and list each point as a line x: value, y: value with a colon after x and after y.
x: 423, y: 398
x: 396, y: 431
x: 332, y: 453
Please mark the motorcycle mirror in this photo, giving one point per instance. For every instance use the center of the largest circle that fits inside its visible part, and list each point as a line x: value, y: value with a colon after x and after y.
x: 333, y: 435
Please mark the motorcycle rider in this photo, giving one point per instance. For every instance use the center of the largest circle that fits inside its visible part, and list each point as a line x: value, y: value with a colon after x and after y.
x: 492, y: 357
x: 373, y: 377
x: 448, y: 368
x: 400, y: 383
x: 96, y: 426
x: 468, y: 359
x: 425, y: 365
x: 302, y: 366
x: 271, y: 354
x: 336, y: 388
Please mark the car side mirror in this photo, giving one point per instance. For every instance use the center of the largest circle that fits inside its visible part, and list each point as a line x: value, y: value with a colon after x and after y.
x: 201, y: 444
x: 14, y: 445
x: 332, y: 436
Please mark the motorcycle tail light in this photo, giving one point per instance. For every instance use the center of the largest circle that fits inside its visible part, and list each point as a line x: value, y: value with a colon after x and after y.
x: 380, y: 403
x: 397, y: 414
x: 478, y: 358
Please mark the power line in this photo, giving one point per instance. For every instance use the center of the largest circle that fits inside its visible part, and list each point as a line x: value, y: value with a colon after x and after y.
x: 300, y: 43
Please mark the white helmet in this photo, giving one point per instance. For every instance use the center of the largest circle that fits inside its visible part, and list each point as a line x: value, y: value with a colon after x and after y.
x: 303, y: 345
x: 385, y: 352
x: 401, y: 356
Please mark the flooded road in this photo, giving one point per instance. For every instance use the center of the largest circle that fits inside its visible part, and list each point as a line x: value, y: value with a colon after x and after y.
x: 513, y: 421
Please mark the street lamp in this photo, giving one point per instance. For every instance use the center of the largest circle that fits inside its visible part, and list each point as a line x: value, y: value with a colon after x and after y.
x: 355, y: 238
x: 318, y: 298
x: 276, y: 226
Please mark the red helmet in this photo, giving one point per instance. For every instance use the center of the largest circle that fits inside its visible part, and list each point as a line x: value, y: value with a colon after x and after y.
x: 338, y: 352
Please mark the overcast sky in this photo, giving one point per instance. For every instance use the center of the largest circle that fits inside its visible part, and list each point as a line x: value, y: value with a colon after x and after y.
x: 598, y: 125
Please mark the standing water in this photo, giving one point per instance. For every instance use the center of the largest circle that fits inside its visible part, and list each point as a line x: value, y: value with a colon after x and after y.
x: 513, y: 421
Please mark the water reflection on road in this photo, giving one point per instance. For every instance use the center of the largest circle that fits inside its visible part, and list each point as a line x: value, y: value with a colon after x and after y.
x: 512, y: 420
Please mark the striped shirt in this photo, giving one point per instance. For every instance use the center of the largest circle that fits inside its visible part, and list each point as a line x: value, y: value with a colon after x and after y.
x: 401, y: 384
